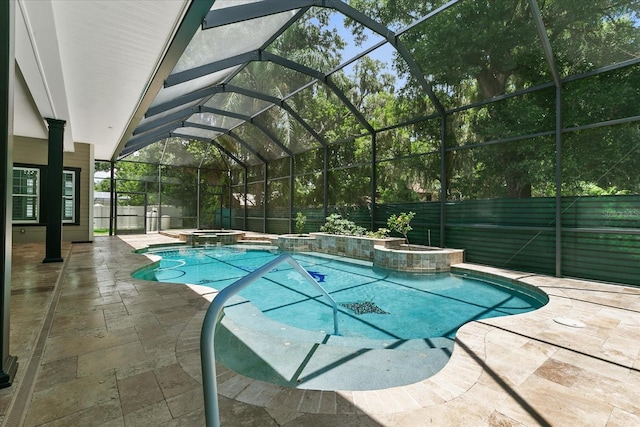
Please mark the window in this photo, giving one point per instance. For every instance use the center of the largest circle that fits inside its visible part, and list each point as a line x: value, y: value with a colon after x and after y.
x: 26, y: 194
x: 29, y: 208
x: 68, y: 196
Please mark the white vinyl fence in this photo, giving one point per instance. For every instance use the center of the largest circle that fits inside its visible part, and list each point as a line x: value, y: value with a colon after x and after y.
x: 132, y: 217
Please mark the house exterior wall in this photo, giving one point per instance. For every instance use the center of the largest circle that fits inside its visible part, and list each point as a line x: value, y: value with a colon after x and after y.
x: 33, y: 151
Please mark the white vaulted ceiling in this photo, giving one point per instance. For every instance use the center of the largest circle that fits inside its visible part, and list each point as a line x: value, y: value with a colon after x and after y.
x: 89, y: 63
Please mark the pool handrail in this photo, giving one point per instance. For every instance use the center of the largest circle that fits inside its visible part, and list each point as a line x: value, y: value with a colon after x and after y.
x: 207, y: 351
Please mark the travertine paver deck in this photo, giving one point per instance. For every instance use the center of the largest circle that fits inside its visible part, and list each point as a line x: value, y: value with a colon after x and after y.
x: 124, y: 352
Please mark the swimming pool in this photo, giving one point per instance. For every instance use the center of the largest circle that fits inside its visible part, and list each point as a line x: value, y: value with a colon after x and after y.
x: 374, y: 304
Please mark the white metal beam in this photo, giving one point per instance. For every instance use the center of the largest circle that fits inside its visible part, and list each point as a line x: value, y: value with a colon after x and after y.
x: 38, y: 55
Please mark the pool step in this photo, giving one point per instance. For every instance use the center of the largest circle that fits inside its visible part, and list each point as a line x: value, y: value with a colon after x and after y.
x: 303, y: 364
x: 258, y: 347
x: 258, y: 238
x: 255, y: 242
x: 245, y: 313
x: 418, y: 344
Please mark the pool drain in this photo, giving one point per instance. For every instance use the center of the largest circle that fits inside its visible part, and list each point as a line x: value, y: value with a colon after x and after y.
x: 364, y: 307
x: 569, y: 322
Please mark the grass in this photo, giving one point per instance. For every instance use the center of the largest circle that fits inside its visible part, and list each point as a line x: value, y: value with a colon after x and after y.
x: 100, y: 231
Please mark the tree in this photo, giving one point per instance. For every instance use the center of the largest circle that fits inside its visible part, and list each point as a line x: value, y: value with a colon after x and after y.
x: 478, y: 50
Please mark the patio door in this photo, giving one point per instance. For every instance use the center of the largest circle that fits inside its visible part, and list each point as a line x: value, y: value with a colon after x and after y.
x: 131, y: 208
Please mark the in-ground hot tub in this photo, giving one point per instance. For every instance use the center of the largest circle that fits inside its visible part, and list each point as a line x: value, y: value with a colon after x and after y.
x: 203, y: 237
x: 416, y: 258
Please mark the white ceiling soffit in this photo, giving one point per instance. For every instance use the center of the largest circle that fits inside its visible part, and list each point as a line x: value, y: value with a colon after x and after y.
x: 38, y: 57
x: 90, y: 62
x: 27, y: 121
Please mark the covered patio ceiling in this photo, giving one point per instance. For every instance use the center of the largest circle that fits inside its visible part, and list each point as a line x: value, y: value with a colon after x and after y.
x: 93, y: 64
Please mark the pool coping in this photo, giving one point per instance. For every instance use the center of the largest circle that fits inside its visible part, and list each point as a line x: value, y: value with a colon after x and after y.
x: 460, y: 374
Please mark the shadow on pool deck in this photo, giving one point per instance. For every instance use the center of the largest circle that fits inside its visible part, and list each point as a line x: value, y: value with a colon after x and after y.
x: 305, y: 360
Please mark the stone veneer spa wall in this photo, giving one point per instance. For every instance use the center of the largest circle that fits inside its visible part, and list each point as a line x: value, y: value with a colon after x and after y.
x: 390, y: 253
x: 421, y: 259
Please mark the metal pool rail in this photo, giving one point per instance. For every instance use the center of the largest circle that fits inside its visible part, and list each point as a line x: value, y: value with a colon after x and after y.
x: 207, y: 352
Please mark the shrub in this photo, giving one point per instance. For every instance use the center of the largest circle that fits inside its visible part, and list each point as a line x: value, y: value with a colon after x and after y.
x: 381, y: 233
x: 301, y: 220
x: 337, y: 225
x: 401, y: 223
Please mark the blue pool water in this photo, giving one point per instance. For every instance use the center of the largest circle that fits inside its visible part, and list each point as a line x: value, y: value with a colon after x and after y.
x: 372, y: 303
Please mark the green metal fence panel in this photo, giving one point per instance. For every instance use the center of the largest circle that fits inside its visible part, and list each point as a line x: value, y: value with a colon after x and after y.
x: 610, y: 250
x: 278, y: 225
x: 601, y: 211
x: 278, y: 220
x: 607, y: 257
x: 226, y: 215
x: 599, y: 238
x: 255, y: 224
x: 531, y: 212
x: 237, y: 219
x: 518, y: 234
x: 278, y: 213
x: 255, y: 219
x: 532, y: 251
